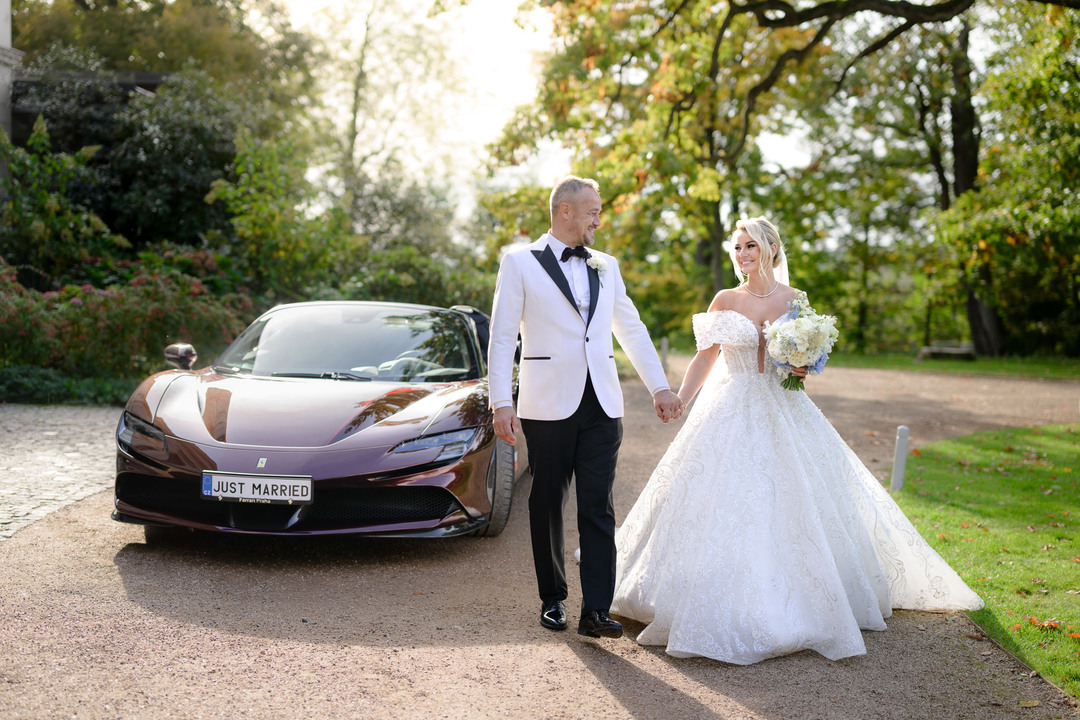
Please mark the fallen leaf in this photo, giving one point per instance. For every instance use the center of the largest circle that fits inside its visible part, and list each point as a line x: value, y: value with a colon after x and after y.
x: 1030, y: 529
x: 921, y: 627
x: 1075, y: 635
x: 916, y: 452
x: 1036, y: 581
x: 1017, y: 626
x: 965, y: 525
x: 1049, y: 547
x: 1072, y: 592
x: 984, y: 653
x: 978, y: 636
x: 1029, y: 703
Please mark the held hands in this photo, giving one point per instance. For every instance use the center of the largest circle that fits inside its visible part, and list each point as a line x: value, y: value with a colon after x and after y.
x: 668, y: 406
x: 506, y: 424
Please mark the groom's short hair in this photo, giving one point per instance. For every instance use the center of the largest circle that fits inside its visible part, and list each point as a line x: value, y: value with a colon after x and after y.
x: 567, y: 188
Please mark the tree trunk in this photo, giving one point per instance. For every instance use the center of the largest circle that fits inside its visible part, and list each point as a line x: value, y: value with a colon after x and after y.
x: 983, y: 320
x: 864, y: 288
x: 986, y: 335
x: 719, y: 258
x: 965, y: 129
x: 928, y: 322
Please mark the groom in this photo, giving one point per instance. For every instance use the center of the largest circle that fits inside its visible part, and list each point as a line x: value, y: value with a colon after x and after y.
x: 566, y: 302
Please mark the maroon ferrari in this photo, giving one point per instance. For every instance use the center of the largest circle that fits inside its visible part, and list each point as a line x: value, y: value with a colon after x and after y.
x: 322, y: 417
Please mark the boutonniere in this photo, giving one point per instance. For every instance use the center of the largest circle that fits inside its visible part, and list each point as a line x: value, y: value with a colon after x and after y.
x: 597, y: 263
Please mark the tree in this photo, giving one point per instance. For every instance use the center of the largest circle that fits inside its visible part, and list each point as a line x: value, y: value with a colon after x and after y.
x: 1018, y: 239
x: 45, y: 235
x: 387, y: 76
x: 609, y: 52
x: 173, y: 146
x: 73, y: 91
x: 284, y: 245
x: 248, y: 44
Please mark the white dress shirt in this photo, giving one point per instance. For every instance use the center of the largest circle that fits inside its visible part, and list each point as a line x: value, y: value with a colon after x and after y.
x: 576, y: 273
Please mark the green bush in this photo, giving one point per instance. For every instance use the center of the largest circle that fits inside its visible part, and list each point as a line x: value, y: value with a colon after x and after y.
x: 44, y: 386
x: 118, y: 332
x: 406, y: 274
x: 42, y: 231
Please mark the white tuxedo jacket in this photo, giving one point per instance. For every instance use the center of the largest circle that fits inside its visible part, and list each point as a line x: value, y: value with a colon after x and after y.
x: 559, y: 348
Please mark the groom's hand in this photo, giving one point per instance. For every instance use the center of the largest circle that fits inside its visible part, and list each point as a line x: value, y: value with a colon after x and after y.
x: 506, y: 424
x: 668, y: 406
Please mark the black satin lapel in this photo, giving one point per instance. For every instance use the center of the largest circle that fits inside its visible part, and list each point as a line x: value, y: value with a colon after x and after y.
x: 594, y: 292
x: 551, y: 265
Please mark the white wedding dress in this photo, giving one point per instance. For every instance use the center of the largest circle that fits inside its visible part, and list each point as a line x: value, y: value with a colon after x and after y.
x: 760, y: 533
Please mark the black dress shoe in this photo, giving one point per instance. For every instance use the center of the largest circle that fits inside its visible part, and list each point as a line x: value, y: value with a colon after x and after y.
x: 597, y: 623
x: 553, y: 615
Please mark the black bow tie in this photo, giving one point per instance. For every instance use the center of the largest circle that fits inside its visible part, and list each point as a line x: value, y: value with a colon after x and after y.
x: 578, y: 251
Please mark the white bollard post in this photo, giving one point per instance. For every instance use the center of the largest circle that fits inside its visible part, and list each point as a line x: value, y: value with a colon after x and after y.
x: 899, y: 459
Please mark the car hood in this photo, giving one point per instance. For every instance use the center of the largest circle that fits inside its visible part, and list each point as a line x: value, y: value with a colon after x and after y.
x: 303, y: 413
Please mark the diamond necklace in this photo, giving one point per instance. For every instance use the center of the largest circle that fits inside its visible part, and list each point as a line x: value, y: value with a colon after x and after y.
x: 747, y: 286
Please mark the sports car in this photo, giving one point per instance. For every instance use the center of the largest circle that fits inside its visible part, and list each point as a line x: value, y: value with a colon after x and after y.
x: 322, y: 418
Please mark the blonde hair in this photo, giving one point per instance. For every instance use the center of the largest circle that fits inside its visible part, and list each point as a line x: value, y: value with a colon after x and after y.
x: 567, y: 188
x: 766, y: 235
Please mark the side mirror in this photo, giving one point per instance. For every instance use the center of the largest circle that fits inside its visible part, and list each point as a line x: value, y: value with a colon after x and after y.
x: 181, y: 356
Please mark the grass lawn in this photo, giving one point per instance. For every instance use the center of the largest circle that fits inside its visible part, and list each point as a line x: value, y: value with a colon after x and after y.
x: 1060, y: 368
x: 1003, y: 509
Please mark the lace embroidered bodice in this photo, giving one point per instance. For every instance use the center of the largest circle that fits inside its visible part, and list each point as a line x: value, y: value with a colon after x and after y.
x: 744, y: 342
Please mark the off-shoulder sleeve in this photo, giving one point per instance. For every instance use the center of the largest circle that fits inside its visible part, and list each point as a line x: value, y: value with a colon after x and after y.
x: 708, y: 329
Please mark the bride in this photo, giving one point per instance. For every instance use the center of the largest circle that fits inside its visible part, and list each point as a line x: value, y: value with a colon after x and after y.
x: 760, y: 533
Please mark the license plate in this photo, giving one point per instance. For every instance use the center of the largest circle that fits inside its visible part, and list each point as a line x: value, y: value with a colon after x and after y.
x: 272, y: 489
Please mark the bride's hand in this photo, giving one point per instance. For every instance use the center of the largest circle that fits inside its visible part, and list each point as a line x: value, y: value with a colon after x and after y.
x: 800, y: 371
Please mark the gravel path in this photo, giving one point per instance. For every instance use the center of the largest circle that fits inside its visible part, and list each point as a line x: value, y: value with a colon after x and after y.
x: 95, y: 623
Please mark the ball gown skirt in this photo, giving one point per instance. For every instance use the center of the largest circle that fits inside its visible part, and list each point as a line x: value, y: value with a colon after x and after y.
x: 760, y: 533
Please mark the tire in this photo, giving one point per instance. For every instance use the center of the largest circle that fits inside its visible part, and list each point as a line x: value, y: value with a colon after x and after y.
x: 500, y: 487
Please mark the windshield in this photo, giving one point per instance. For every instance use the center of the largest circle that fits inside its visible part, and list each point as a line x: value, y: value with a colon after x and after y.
x: 355, y: 342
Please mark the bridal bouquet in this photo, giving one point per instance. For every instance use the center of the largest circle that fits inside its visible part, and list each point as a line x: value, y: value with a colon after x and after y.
x: 800, y: 338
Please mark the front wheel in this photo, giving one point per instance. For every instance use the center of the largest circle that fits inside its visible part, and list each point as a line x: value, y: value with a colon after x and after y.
x: 500, y: 487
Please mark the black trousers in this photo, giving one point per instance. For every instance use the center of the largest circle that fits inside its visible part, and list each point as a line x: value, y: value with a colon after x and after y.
x: 584, y: 446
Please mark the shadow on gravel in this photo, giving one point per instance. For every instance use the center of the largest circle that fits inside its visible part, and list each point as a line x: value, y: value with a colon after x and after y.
x: 636, y: 689
x: 345, y: 590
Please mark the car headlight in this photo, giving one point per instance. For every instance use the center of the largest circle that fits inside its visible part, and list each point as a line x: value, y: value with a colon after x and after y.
x: 454, y: 444
x: 132, y: 426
